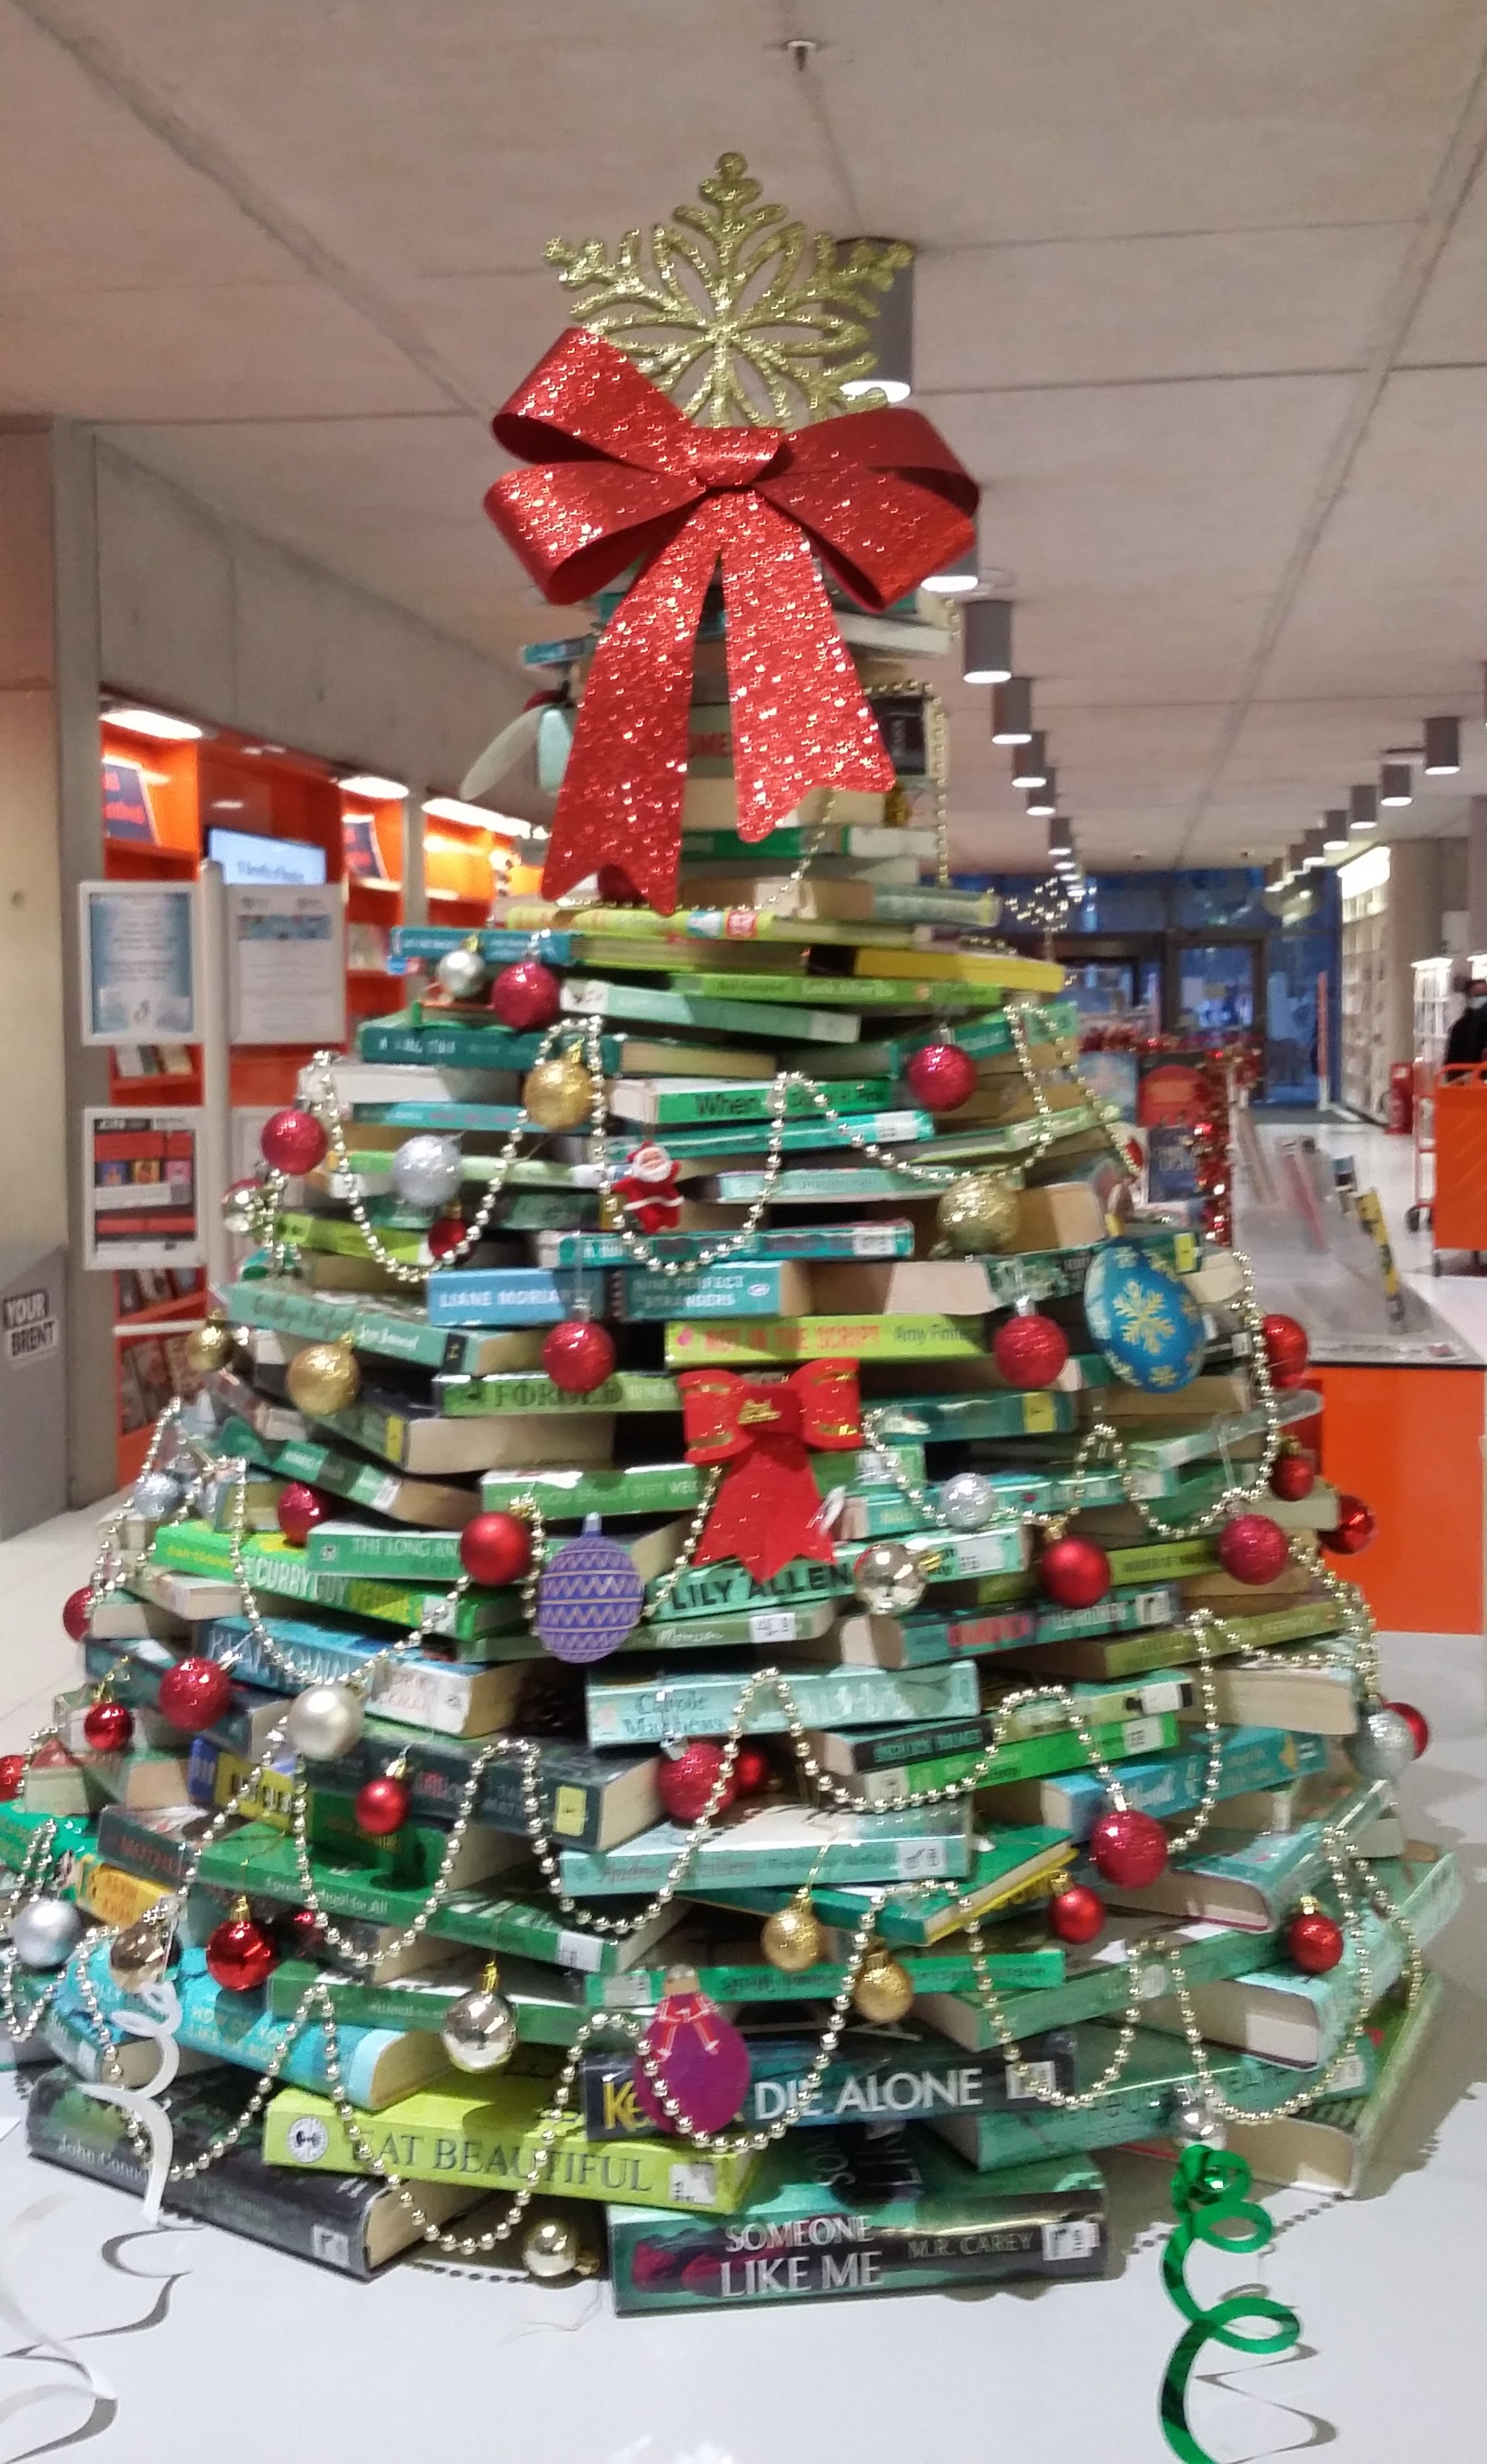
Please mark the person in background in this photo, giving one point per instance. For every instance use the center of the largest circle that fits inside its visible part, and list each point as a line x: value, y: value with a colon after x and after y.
x: 1467, y: 1042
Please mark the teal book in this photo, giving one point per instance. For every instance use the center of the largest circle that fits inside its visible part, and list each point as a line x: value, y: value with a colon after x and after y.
x: 1148, y: 2104
x: 646, y: 1005
x: 1132, y: 1957
x: 1171, y: 1785
x: 547, y: 2004
x: 1288, y: 2017
x: 376, y: 2066
x: 643, y: 1712
x: 780, y: 1844
x: 817, y: 1241
x: 939, y: 1419
x: 914, y: 1640
x: 498, y: 946
x: 1250, y: 1879
x: 878, y: 2076
x: 727, y: 1587
x: 667, y: 1103
x: 732, y: 1630
x: 1022, y: 1863
x: 762, y: 1288
x: 901, y: 1128
x: 830, y: 2214
x: 731, y: 1967
x: 412, y: 1036
x: 955, y: 1556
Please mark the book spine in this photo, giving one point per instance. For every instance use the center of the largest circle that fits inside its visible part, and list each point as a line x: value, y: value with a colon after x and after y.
x: 630, y: 1390
x: 691, y: 1344
x: 752, y: 1291
x: 822, y: 1241
x: 864, y: 2085
x: 1251, y: 1758
x: 880, y: 1855
x: 643, y: 2173
x: 839, y: 2255
x: 729, y: 1587
x: 824, y: 1698
x: 513, y: 1296
x: 125, y: 1842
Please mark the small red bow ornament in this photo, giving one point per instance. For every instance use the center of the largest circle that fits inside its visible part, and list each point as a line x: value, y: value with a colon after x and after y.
x: 767, y: 1510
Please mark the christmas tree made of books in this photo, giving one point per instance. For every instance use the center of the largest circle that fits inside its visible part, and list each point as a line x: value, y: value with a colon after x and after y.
x: 732, y: 1635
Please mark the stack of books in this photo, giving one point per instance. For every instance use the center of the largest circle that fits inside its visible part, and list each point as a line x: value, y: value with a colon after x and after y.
x: 895, y: 1786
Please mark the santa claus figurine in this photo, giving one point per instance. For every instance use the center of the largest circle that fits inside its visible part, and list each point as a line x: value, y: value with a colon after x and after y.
x: 647, y: 1190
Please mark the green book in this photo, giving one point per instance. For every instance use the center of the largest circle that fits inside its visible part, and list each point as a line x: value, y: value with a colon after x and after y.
x: 1131, y: 1655
x: 274, y: 1566
x: 781, y: 1844
x: 338, y: 1237
x: 940, y: 1418
x: 547, y: 2005
x: 853, y: 992
x: 902, y: 1127
x: 1132, y: 1957
x: 385, y: 1330
x: 728, y: 1588
x: 1022, y: 1863
x: 816, y: 1240
x: 1330, y: 2146
x: 740, y: 1628
x: 1019, y: 1758
x: 898, y: 2215
x: 630, y: 1711
x: 1154, y: 2087
x: 629, y: 1389
x: 684, y: 1005
x: 700, y: 1342
x: 660, y: 1102
x: 840, y: 1185
x: 490, y: 2136
x: 68, y: 1834
x: 732, y: 1967
x: 410, y: 1036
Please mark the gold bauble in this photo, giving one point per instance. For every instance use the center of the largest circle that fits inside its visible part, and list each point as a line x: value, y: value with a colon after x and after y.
x: 210, y: 1347
x: 559, y: 1094
x: 324, y: 1377
x: 139, y: 1955
x: 792, y: 1938
x: 884, y: 1989
x: 978, y: 1213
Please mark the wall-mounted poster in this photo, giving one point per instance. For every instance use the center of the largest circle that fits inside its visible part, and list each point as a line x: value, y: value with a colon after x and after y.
x: 141, y: 1178
x: 136, y: 961
x: 286, y: 966
x: 128, y: 814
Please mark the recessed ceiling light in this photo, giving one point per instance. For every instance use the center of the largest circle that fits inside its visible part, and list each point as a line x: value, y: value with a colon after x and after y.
x: 376, y: 790
x: 159, y: 724
x: 955, y: 580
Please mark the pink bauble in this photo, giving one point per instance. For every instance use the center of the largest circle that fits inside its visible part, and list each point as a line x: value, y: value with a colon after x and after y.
x: 1128, y: 1848
x: 579, y: 1356
x: 701, y: 2058
x: 940, y: 1077
x: 684, y: 1782
x: 527, y: 997
x: 293, y: 1141
x: 1029, y: 1350
x: 1253, y: 1548
x: 298, y: 1509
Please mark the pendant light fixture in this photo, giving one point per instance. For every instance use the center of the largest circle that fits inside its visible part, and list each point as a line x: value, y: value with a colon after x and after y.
x: 1442, y: 747
x: 1011, y: 712
x: 1030, y: 761
x: 1396, y: 783
x: 890, y: 338
x: 987, y: 641
x: 1362, y: 809
x: 1334, y: 834
x: 1043, y: 802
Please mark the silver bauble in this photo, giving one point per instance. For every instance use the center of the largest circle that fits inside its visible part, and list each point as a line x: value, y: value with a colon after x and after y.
x: 240, y: 1210
x: 1382, y: 1745
x: 1195, y: 2122
x: 480, y: 2030
x: 550, y: 2249
x: 427, y: 1169
x: 156, y: 1495
x: 462, y: 974
x: 46, y: 1932
x: 886, y: 1578
x: 325, y: 1722
x: 967, y: 1502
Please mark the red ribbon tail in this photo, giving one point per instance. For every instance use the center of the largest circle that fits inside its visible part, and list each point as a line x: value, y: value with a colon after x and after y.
x: 620, y: 801
x: 798, y: 714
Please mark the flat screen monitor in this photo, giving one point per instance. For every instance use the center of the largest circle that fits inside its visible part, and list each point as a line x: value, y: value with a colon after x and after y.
x: 249, y: 861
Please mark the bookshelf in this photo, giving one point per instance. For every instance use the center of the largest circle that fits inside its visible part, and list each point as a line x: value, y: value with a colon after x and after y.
x: 1365, y: 983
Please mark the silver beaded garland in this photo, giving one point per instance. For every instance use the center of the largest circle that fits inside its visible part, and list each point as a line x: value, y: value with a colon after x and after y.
x: 886, y: 1578
x: 46, y: 1932
x: 325, y: 1722
x: 967, y: 1502
x: 426, y: 1170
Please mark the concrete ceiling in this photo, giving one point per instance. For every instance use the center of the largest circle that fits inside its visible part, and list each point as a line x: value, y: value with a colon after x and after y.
x: 1202, y: 300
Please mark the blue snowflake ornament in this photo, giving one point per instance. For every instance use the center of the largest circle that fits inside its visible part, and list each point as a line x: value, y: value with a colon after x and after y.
x: 1144, y: 1318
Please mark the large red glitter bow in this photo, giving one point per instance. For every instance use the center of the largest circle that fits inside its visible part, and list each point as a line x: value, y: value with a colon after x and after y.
x: 768, y: 1509
x: 620, y: 473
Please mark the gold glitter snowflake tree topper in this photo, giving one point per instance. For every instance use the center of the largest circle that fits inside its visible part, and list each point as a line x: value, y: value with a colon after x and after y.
x: 743, y: 317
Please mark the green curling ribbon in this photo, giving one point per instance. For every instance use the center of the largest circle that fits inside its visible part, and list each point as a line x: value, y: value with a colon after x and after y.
x: 1209, y: 2191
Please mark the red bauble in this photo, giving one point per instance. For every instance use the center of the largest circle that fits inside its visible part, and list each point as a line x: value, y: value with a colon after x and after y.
x: 12, y: 1777
x: 293, y: 1141
x: 382, y: 1805
x: 941, y: 1077
x: 496, y: 1548
x: 752, y: 1770
x: 296, y: 1933
x: 527, y: 997
x: 685, y: 1784
x: 1075, y: 1572
x: 1076, y: 1913
x: 1128, y: 1848
x: 1293, y: 1474
x: 445, y: 1236
x: 194, y: 1693
x: 1417, y: 1725
x: 1029, y: 1350
x: 107, y: 1726
x: 579, y: 1356
x: 1353, y: 1530
x: 75, y: 1615
x: 240, y: 1955
x: 1314, y: 1943
x: 298, y: 1509
x: 1253, y: 1548
x: 1286, y: 1348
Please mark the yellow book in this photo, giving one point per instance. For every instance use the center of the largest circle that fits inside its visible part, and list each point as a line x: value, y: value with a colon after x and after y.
x: 1003, y: 971
x: 489, y: 2137
x: 705, y: 1342
x: 117, y: 1897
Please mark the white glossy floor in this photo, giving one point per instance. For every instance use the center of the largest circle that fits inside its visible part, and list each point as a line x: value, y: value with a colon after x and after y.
x: 160, y: 2347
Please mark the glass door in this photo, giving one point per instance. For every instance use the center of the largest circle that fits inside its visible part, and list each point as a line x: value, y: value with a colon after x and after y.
x: 1214, y: 987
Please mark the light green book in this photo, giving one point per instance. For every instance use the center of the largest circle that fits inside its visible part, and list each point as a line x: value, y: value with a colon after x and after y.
x: 548, y: 2006
x: 1019, y: 1865
x: 659, y: 1102
x: 682, y: 1005
x: 647, y: 1710
x: 567, y: 1496
x: 338, y: 1237
x: 629, y: 1389
x: 780, y: 1844
x: 704, y: 1343
x: 817, y: 1241
x: 276, y: 1568
x: 853, y: 992
x: 490, y: 2137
